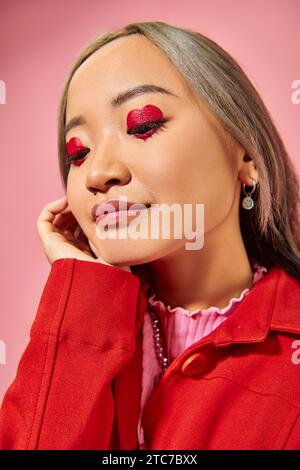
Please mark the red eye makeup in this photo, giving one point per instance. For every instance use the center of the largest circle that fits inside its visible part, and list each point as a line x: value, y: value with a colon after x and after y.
x: 149, y: 119
x: 141, y: 123
x: 75, y: 151
x: 74, y: 145
x: 147, y: 114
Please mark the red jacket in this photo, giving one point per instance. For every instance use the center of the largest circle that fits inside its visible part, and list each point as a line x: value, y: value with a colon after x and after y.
x: 78, y: 383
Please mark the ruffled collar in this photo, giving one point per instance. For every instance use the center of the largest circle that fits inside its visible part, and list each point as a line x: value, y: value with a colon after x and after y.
x: 159, y: 305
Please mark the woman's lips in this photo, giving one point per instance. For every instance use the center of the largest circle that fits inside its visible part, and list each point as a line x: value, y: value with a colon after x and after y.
x: 115, y: 205
x: 118, y: 216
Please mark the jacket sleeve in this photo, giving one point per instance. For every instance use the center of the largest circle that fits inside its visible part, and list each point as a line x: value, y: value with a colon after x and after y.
x: 83, y: 336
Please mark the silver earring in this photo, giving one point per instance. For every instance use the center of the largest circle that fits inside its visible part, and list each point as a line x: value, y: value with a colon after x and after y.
x: 248, y: 202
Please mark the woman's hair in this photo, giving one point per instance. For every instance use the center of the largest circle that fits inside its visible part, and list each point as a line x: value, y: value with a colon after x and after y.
x: 271, y: 230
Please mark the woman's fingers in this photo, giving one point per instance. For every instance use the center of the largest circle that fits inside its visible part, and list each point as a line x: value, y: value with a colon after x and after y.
x: 65, y: 221
x: 62, y: 236
x: 48, y: 214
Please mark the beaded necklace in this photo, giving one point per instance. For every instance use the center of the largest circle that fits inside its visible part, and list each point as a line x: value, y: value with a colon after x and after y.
x: 159, y: 341
x: 158, y: 336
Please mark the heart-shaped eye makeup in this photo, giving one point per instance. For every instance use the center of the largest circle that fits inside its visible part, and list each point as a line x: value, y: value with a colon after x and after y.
x: 74, y: 145
x: 147, y: 114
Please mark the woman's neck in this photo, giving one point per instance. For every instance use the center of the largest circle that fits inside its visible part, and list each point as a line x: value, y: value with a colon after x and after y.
x: 207, y: 277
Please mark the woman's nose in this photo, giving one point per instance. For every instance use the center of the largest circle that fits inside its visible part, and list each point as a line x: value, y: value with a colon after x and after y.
x: 102, y: 175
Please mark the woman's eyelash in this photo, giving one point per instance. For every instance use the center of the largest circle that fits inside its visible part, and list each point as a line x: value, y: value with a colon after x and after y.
x: 76, y: 156
x: 147, y: 129
x: 148, y: 126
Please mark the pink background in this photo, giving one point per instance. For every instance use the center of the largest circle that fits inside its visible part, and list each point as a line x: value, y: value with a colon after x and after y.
x: 39, y: 42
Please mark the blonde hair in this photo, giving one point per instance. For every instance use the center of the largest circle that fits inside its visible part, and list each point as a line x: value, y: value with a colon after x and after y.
x: 271, y: 230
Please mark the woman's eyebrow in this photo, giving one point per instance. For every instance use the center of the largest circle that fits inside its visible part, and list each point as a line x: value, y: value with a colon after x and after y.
x: 139, y: 90
x: 120, y: 99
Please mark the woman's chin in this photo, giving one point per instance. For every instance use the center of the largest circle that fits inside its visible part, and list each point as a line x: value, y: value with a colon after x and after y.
x: 135, y: 252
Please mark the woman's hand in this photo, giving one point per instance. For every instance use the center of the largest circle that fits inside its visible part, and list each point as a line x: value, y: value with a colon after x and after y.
x: 58, y: 232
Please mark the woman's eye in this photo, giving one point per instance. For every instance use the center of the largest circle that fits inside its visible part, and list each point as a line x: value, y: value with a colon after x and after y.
x: 147, y: 129
x: 144, y: 130
x: 77, y: 158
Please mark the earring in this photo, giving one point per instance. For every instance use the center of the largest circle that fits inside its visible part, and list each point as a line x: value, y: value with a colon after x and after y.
x: 248, y: 202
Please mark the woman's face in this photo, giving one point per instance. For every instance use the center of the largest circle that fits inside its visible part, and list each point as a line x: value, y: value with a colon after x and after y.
x: 185, y: 160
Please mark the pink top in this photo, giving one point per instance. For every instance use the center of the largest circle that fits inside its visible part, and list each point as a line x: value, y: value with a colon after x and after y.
x: 181, y: 329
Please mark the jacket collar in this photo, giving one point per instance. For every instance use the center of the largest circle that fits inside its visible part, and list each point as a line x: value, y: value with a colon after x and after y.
x: 272, y: 303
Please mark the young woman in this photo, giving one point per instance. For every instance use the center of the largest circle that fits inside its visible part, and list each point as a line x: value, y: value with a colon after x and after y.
x: 140, y: 342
